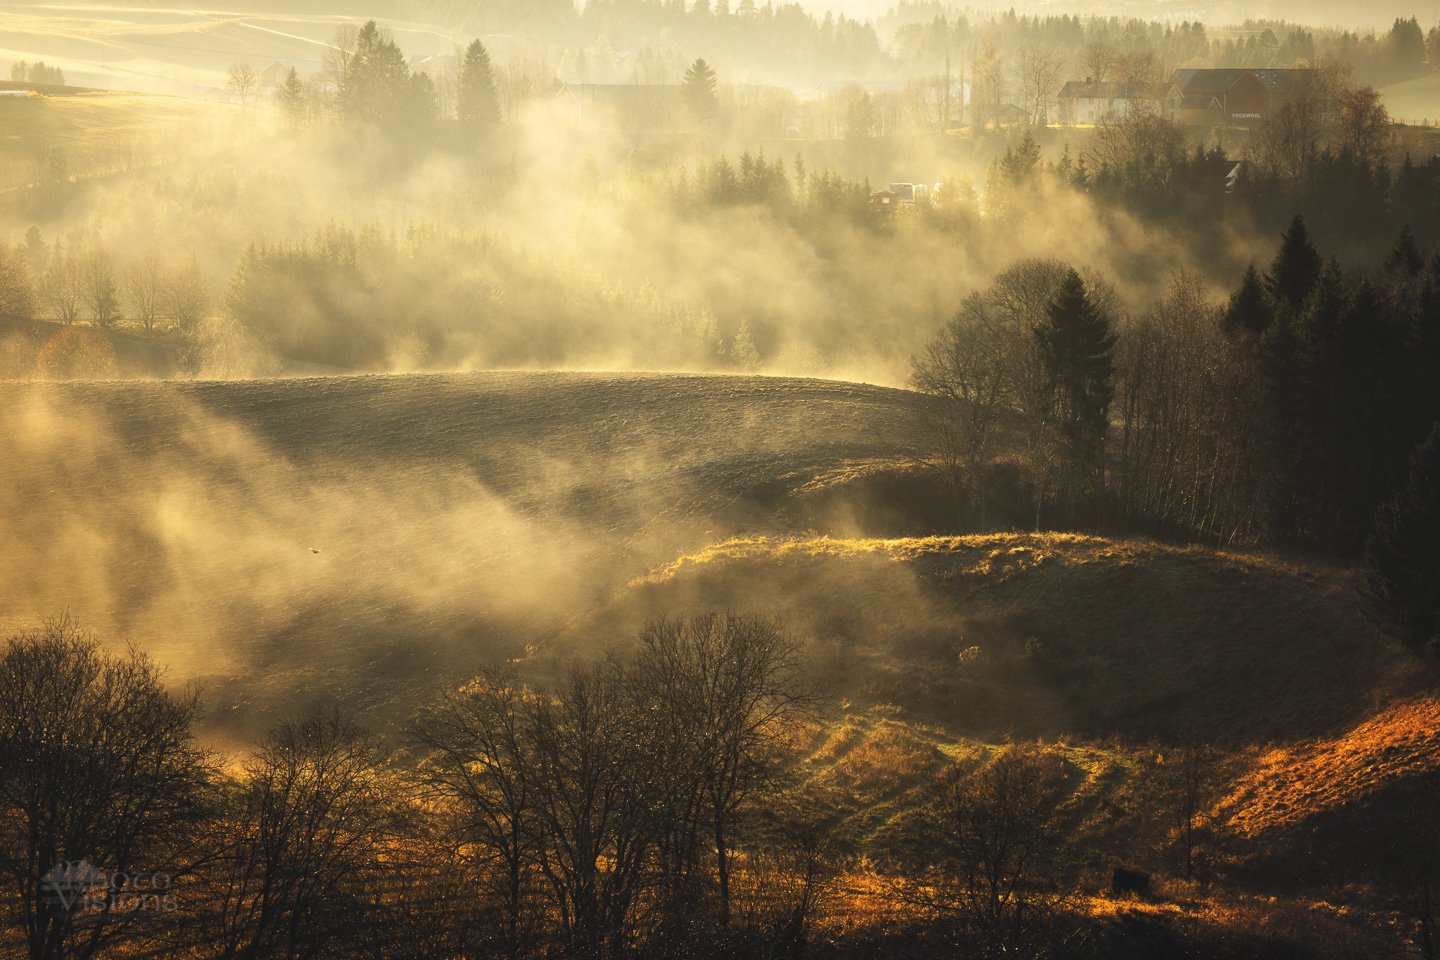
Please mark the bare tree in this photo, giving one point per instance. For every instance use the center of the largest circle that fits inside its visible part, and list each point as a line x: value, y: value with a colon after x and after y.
x: 100, y: 778
x: 478, y: 768
x: 966, y: 368
x: 311, y: 817
x: 1286, y: 144
x: 1039, y: 75
x: 1137, y: 66
x: 143, y: 287
x: 242, y: 83
x: 996, y: 837
x: 729, y: 684
x: 17, y: 286
x: 1192, y: 774
x: 1098, y: 60
x: 98, y: 278
x: 184, y: 296
x: 1140, y: 149
x: 990, y: 84
x: 62, y: 287
x: 1363, y: 127
x: 592, y: 798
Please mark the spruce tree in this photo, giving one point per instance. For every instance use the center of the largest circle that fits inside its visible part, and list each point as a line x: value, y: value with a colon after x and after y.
x: 1249, y: 311
x: 1295, y: 270
x: 1405, y: 255
x: 1077, y: 349
x: 701, y: 90
x: 292, y: 99
x: 1402, y: 556
x: 477, y: 105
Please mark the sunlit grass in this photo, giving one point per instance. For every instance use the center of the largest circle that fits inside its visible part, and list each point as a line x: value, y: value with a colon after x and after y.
x: 1289, y: 785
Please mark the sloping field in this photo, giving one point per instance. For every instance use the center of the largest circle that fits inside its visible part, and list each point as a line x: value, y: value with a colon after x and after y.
x: 1050, y: 635
x: 175, y: 50
x: 350, y: 536
x: 49, y: 139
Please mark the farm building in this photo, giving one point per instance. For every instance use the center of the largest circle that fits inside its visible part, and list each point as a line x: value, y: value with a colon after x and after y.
x: 1233, y: 97
x: 274, y: 76
x: 1089, y: 101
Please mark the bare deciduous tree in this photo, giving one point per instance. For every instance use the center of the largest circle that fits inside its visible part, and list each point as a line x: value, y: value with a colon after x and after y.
x: 1098, y: 60
x: 997, y: 837
x: 62, y: 287
x: 100, y: 777
x: 185, y: 296
x: 729, y: 684
x: 98, y: 278
x: 241, y: 82
x: 17, y: 287
x: 966, y: 368
x: 312, y: 815
x: 1039, y: 75
x: 478, y: 768
x: 143, y: 288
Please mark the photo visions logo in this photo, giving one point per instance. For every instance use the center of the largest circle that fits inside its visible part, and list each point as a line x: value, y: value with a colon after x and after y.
x: 78, y: 886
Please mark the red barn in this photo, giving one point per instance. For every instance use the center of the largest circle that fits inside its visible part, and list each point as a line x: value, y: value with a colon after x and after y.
x: 1234, y: 97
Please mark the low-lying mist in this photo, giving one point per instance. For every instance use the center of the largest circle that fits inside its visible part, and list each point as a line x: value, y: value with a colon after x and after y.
x: 565, y: 245
x: 356, y: 538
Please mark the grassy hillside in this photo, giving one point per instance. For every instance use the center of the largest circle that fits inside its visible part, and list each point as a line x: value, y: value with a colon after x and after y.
x: 85, y: 134
x: 350, y: 536
x: 1050, y: 635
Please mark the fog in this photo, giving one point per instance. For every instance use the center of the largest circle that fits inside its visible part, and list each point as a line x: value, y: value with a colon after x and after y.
x: 283, y: 538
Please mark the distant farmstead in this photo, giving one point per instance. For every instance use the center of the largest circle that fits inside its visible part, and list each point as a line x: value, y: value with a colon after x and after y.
x: 1230, y: 97
x: 1234, y: 97
x: 1089, y: 101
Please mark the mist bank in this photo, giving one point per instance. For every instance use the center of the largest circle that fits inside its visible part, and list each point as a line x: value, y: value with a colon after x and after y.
x: 360, y: 537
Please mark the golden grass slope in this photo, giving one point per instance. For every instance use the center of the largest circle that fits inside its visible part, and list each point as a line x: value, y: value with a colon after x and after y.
x: 1289, y: 786
x: 1055, y: 634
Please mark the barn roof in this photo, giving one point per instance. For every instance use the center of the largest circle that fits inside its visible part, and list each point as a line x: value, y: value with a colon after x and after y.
x: 1193, y: 81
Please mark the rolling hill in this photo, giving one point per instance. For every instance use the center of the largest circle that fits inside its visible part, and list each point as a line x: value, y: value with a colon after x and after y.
x: 367, y: 539
x: 347, y: 536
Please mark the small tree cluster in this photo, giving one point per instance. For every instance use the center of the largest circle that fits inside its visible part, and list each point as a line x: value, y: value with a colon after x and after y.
x: 38, y: 72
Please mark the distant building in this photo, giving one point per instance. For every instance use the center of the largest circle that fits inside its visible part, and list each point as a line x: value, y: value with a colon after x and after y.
x: 1089, y: 101
x: 274, y: 76
x: 1233, y: 97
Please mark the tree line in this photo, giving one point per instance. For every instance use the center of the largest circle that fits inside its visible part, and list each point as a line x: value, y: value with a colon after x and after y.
x: 23, y: 71
x: 1286, y: 417
x: 368, y: 85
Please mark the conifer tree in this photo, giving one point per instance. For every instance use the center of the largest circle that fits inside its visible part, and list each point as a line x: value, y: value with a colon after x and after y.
x: 1402, y: 556
x: 1076, y: 349
x: 478, y: 105
x: 701, y: 90
x: 1249, y: 311
x: 291, y: 97
x: 1405, y: 255
x: 1296, y: 269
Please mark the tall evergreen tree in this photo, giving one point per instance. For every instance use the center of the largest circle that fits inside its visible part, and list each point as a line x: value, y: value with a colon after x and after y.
x: 1405, y: 256
x: 478, y: 105
x: 1077, y: 350
x: 1249, y: 311
x: 701, y: 90
x: 374, y: 84
x: 1295, y: 270
x: 291, y: 97
x: 1402, y: 556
